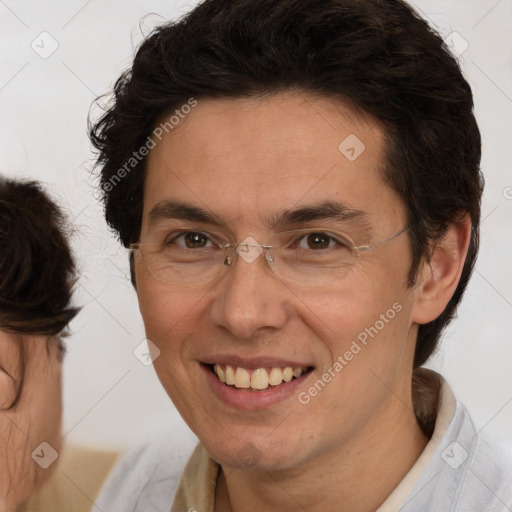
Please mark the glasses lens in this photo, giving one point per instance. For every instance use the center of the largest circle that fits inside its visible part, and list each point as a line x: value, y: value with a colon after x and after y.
x: 321, y: 264
x: 308, y: 256
x: 178, y: 265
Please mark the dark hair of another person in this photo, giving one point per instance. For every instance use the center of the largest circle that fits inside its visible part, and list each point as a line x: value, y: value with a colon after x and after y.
x: 37, y: 270
x: 378, y: 55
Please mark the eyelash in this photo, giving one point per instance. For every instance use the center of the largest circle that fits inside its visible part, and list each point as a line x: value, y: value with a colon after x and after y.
x: 340, y: 242
x: 173, y: 237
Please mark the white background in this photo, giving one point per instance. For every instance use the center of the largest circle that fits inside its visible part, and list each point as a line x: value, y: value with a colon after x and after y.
x: 111, y: 399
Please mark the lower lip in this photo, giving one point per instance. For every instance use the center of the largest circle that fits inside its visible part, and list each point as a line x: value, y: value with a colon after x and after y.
x: 253, y: 400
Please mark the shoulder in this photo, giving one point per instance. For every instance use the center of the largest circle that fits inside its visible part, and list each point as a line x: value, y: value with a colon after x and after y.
x: 475, y: 468
x: 491, y: 465
x: 485, y: 467
x: 481, y: 469
x: 466, y: 470
x: 145, y: 477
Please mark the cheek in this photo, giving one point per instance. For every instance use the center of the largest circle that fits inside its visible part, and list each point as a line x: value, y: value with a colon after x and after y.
x: 42, y: 398
x: 364, y: 330
x: 364, y: 321
x: 346, y: 307
x: 46, y: 416
x: 35, y: 419
x: 167, y: 312
x: 170, y: 318
x: 48, y: 413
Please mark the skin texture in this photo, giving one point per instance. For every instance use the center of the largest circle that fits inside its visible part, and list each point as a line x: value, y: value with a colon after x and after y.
x: 34, y: 419
x: 245, y: 159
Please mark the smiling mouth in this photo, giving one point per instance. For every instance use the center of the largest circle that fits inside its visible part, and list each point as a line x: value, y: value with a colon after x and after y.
x: 258, y: 379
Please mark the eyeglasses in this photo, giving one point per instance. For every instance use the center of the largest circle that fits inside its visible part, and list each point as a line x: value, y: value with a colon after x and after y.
x: 187, y: 256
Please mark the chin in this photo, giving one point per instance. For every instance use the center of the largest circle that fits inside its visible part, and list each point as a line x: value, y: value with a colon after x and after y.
x: 254, y: 454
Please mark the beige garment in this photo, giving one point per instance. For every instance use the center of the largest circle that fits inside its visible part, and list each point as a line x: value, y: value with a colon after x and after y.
x: 74, y: 483
x: 196, y: 490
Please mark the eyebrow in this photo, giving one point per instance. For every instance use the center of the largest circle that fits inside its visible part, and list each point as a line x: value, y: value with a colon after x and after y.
x: 327, y: 210
x: 177, y: 210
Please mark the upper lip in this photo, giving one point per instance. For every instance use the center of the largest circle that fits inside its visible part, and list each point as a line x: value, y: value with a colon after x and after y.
x: 252, y: 363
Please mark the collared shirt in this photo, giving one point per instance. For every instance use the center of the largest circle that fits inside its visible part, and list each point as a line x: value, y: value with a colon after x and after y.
x: 460, y: 470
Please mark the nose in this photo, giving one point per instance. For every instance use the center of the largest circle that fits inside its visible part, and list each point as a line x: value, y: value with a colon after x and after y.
x: 250, y: 298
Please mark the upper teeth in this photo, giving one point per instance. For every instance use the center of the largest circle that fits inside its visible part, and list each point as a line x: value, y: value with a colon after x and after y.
x: 260, y: 378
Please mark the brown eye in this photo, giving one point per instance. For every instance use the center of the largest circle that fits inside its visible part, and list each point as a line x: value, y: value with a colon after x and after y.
x: 195, y: 240
x: 318, y: 241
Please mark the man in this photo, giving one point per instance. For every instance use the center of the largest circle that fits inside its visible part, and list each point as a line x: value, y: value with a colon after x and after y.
x: 299, y: 184
x: 37, y: 273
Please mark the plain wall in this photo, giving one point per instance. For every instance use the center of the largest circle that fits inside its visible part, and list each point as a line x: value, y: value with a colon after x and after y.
x: 111, y: 399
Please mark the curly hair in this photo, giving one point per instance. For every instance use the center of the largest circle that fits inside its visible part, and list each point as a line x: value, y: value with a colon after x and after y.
x: 378, y: 55
x: 37, y: 270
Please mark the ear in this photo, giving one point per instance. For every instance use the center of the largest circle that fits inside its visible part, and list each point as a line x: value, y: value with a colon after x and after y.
x: 9, y: 370
x: 132, y: 270
x: 438, y: 279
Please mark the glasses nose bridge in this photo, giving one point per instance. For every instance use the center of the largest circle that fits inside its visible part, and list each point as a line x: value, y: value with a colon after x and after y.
x: 249, y: 250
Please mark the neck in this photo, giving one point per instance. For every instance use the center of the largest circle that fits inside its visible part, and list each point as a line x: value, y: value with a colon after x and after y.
x: 337, y: 480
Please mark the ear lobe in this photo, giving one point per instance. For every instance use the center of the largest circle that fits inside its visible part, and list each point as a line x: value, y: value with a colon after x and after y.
x: 440, y: 276
x: 8, y: 390
x: 9, y: 370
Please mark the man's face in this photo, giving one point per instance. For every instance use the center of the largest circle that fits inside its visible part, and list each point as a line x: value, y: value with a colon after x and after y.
x: 34, y: 419
x: 246, y: 162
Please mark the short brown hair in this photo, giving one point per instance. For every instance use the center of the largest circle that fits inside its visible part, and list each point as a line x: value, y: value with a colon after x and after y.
x: 37, y: 270
x: 378, y: 54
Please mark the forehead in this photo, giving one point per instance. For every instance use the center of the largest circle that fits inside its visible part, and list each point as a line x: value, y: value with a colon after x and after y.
x: 246, y: 158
